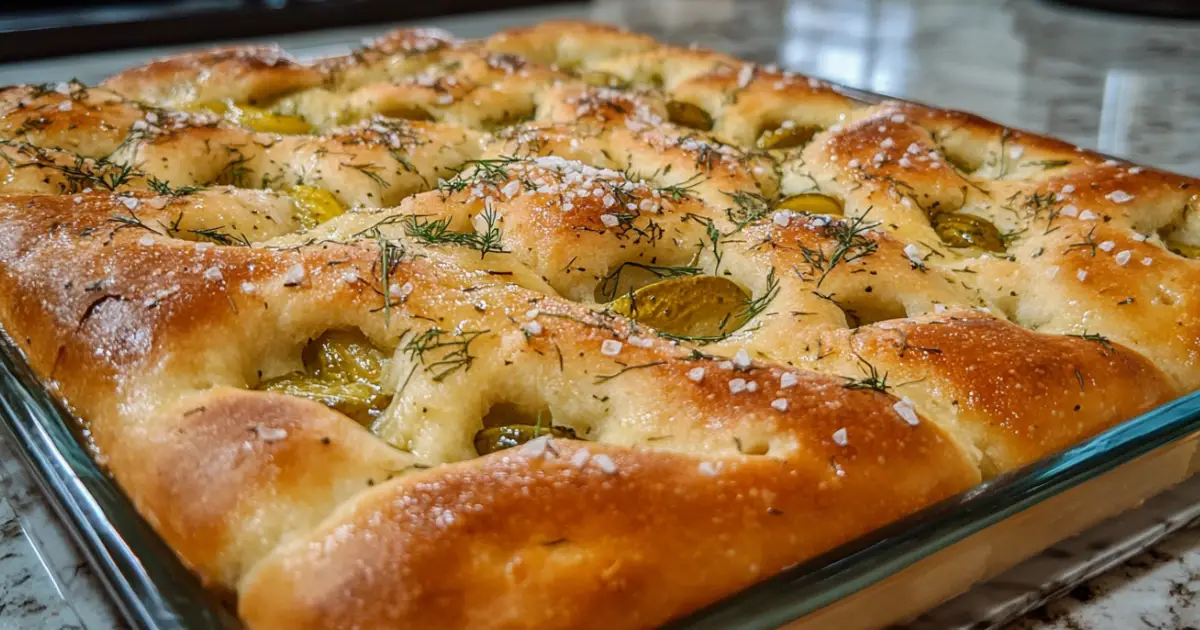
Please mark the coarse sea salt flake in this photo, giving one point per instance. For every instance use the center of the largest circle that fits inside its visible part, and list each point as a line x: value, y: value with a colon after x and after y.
x: 788, y: 379
x: 294, y: 275
x: 604, y: 463
x: 1107, y: 246
x: 532, y: 328
x: 1081, y: 275
x: 840, y: 438
x: 742, y: 359
x: 400, y: 291
x: 710, y: 469
x: 780, y: 404
x: 212, y: 273
x: 737, y: 385
x: 610, y: 220
x: 536, y: 447
x: 696, y: 374
x: 1119, y: 196
x: 580, y: 458
x: 905, y: 409
x: 270, y: 434
x: 1123, y: 257
x: 610, y: 347
x: 146, y: 240
x: 1087, y: 215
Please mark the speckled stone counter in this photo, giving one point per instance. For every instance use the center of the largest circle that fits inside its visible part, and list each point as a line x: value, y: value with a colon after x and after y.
x: 1122, y: 85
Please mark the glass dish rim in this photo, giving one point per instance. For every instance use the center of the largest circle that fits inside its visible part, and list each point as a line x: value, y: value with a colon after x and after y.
x: 152, y: 588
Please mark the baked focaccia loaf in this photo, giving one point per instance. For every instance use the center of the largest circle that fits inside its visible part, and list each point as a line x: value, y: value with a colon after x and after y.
x: 562, y: 328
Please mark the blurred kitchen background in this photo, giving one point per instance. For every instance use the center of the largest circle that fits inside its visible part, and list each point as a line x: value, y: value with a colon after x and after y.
x: 1122, y: 84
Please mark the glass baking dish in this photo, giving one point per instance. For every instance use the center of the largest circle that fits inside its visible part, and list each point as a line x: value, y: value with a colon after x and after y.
x: 885, y: 577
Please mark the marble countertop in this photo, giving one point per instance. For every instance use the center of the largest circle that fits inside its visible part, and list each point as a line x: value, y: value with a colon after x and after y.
x: 1121, y: 85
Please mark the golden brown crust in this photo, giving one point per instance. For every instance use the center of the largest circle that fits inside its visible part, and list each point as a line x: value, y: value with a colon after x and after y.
x: 241, y: 73
x: 470, y: 207
x: 664, y: 533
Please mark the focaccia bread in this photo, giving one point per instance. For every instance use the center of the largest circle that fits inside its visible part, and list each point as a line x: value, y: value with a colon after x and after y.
x: 562, y: 328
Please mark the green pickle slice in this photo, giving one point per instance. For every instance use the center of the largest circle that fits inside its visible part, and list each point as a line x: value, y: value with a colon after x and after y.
x: 786, y: 136
x: 813, y: 203
x: 964, y: 230
x: 314, y: 206
x: 256, y: 118
x: 689, y: 115
x: 693, y: 306
x: 1184, y: 249
x: 342, y: 370
x: 492, y: 439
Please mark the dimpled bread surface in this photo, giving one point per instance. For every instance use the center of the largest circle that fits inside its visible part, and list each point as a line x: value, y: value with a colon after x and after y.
x: 931, y: 299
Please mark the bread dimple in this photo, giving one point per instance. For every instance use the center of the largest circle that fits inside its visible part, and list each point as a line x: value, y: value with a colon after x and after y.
x: 468, y: 208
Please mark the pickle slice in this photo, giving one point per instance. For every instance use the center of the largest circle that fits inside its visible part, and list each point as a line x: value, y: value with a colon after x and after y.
x: 786, y: 136
x: 812, y: 203
x: 314, y: 206
x: 599, y: 78
x: 408, y: 112
x: 964, y: 230
x: 255, y: 118
x: 689, y: 115
x: 694, y: 306
x: 494, y: 439
x: 343, y: 371
x: 1184, y: 249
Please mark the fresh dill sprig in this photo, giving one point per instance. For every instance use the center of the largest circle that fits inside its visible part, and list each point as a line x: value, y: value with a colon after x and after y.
x: 438, y: 232
x: 611, y: 283
x: 390, y: 255
x: 235, y: 172
x: 1096, y: 337
x: 85, y: 173
x: 870, y: 380
x: 1048, y: 164
x: 754, y: 307
x: 604, y: 378
x: 850, y: 243
x: 487, y: 171
x: 1087, y: 243
x: 371, y: 171
x: 748, y: 207
x: 453, y: 351
x: 215, y: 235
x: 163, y: 188
x: 682, y: 190
x: 131, y: 221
